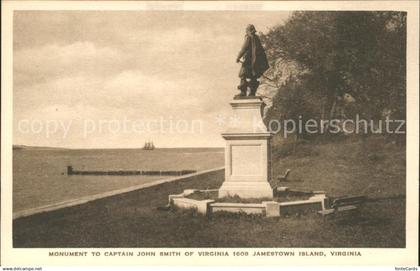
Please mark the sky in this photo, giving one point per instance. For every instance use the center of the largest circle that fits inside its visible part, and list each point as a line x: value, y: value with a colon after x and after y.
x: 115, y: 79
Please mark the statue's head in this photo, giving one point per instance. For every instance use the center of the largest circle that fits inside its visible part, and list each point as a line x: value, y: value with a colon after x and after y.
x: 250, y: 29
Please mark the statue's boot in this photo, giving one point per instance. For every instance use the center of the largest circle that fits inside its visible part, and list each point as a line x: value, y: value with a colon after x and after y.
x: 241, y: 94
x: 243, y: 85
x: 254, y: 84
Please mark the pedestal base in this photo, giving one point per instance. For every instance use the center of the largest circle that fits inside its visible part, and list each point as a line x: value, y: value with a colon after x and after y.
x: 246, y: 189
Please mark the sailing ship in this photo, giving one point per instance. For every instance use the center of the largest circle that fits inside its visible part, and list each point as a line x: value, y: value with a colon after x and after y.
x: 148, y: 145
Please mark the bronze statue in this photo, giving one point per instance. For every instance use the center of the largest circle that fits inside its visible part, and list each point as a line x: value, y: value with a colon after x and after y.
x: 254, y: 63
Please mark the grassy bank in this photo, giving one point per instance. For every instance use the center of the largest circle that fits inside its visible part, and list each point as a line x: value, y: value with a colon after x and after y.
x: 372, y: 167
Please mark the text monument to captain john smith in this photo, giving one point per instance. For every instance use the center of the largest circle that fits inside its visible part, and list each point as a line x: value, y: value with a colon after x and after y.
x: 248, y: 152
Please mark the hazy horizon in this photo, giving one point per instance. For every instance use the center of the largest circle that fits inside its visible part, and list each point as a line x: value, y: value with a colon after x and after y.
x: 76, y: 148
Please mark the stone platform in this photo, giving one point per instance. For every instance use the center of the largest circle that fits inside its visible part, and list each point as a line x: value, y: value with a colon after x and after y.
x: 271, y: 208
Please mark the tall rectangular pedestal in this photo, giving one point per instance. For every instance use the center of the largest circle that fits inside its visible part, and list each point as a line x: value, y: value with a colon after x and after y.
x: 247, y: 154
x: 248, y: 166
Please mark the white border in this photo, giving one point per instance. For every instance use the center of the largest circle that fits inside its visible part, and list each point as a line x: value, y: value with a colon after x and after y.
x: 393, y: 257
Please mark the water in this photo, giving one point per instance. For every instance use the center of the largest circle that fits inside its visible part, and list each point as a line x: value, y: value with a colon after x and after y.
x: 39, y: 176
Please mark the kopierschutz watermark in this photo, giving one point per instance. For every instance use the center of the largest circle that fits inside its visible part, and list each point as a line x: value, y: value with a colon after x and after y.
x: 334, y: 126
x: 173, y: 125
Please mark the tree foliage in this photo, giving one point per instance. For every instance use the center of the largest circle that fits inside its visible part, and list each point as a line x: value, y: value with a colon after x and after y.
x: 356, y: 52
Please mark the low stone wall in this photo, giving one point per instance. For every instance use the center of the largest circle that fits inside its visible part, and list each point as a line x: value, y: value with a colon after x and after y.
x: 71, y: 171
x: 201, y: 206
x: 246, y: 208
x: 268, y: 208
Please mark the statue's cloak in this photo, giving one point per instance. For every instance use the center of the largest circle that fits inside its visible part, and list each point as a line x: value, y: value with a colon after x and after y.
x: 255, y: 60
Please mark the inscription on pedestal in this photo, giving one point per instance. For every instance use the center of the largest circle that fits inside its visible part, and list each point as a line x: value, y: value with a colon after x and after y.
x: 246, y: 160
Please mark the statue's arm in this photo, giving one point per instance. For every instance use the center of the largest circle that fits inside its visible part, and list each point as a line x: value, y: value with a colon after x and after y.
x: 244, y: 48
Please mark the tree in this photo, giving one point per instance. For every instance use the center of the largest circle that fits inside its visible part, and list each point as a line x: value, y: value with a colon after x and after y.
x: 333, y: 53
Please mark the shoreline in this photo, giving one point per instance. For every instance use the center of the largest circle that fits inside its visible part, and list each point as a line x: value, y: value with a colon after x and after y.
x: 86, y: 199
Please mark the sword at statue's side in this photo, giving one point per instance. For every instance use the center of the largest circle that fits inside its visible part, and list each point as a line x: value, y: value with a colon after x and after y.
x: 268, y: 78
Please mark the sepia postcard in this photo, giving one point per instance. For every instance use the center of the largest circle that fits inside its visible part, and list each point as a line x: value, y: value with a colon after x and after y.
x: 210, y: 133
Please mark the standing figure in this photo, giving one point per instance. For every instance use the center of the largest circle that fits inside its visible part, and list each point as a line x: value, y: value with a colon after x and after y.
x: 254, y: 62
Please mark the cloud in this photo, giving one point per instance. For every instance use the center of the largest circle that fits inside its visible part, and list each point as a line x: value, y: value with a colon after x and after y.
x: 105, y: 65
x: 42, y: 63
x: 179, y: 40
x: 130, y: 92
x: 158, y: 90
x: 75, y: 101
x: 82, y: 80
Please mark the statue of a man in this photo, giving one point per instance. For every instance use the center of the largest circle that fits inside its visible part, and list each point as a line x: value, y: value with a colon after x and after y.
x: 254, y: 62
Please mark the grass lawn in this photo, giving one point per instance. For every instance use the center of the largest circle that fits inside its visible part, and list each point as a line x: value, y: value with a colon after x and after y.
x: 371, y: 167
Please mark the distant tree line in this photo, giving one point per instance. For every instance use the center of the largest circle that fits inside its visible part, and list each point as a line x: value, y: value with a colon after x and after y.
x: 322, y: 61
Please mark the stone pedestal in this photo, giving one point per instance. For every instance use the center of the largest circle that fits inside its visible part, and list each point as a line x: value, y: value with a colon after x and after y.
x: 247, y: 152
